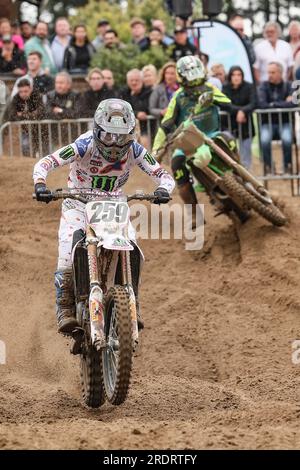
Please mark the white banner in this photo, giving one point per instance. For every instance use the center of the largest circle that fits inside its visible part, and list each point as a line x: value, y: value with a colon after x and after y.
x: 224, y: 46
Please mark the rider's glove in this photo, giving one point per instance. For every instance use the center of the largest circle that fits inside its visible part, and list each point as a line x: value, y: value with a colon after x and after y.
x: 162, y: 196
x: 42, y: 193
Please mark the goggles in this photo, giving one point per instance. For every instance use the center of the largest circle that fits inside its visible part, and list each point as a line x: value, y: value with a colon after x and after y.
x: 118, y: 140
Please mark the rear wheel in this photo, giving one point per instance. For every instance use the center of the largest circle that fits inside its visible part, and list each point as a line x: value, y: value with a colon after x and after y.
x: 117, y: 356
x: 90, y: 368
x: 268, y: 211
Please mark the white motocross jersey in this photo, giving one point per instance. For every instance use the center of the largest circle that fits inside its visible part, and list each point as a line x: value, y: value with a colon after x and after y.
x: 88, y: 168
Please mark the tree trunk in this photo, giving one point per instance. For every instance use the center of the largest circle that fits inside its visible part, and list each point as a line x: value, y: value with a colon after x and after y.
x: 9, y: 9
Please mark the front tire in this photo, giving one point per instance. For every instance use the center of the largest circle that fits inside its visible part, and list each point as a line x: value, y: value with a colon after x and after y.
x: 268, y: 211
x: 117, y: 356
x: 90, y: 368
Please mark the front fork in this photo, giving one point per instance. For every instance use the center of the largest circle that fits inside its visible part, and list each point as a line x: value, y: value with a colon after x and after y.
x: 127, y: 281
x: 96, y: 307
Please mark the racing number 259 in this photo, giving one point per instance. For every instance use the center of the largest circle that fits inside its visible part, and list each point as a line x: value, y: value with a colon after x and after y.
x: 109, y: 211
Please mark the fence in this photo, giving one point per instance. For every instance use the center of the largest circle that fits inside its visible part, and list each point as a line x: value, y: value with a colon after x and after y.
x: 38, y: 138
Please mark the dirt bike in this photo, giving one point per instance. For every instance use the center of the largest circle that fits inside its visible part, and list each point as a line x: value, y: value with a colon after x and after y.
x: 106, y: 308
x: 232, y: 189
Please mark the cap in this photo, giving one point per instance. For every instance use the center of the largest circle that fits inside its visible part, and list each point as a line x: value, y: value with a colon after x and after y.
x: 137, y: 21
x: 103, y: 22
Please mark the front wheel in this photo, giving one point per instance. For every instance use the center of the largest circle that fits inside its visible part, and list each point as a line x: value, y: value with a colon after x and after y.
x: 117, y: 355
x: 237, y: 191
x: 90, y: 365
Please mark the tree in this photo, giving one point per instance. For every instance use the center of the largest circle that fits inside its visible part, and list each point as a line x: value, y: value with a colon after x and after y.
x: 118, y: 16
x: 121, y: 61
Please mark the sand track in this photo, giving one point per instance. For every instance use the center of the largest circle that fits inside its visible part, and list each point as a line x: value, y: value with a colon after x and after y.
x: 214, y: 369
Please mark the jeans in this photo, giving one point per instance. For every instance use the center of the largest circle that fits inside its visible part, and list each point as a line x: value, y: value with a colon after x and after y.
x: 245, y: 152
x: 267, y: 134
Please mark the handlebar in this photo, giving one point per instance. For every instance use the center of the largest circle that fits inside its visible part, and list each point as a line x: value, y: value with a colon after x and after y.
x: 79, y: 195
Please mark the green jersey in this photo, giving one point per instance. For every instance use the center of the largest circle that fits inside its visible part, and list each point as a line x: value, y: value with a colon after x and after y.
x: 183, y: 104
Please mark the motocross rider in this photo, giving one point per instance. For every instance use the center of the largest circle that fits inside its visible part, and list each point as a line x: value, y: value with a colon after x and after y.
x: 100, y: 159
x: 198, y: 97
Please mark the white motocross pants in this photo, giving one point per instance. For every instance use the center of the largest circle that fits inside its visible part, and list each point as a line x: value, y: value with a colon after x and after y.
x: 72, y: 219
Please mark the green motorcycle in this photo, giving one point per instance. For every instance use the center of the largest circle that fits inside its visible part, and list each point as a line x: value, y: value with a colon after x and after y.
x: 232, y: 189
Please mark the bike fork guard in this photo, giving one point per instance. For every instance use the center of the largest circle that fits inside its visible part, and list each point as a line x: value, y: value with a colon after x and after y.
x: 127, y: 280
x: 134, y: 324
x: 96, y: 308
x: 97, y: 316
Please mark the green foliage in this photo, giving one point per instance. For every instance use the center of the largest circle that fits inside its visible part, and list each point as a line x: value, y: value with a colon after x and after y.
x: 118, y: 17
x: 120, y: 61
x: 156, y: 56
x: 150, y: 9
x: 97, y: 9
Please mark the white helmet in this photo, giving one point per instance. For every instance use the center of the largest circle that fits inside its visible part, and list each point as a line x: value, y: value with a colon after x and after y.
x: 113, y: 132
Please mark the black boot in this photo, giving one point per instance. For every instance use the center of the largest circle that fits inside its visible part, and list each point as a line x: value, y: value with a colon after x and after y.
x: 65, y: 302
x: 188, y: 196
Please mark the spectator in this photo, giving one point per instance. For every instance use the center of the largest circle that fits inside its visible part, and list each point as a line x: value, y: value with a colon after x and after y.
x: 182, y: 23
x: 40, y: 43
x: 102, y: 27
x: 237, y: 23
x: 138, y: 32
x: 276, y: 93
x: 294, y: 40
x: 218, y: 71
x: 26, y: 30
x: 60, y: 41
x: 213, y: 80
x: 109, y: 80
x: 156, y: 38
x: 12, y: 60
x: 26, y: 105
x: 6, y: 30
x: 163, y: 92
x: 15, y: 28
x: 243, y: 102
x: 39, y: 80
x: 98, y: 91
x: 273, y: 49
x: 294, y: 35
x: 138, y: 96
x: 166, y: 39
x: 150, y: 76
x: 62, y: 102
x: 181, y: 47
x: 78, y: 55
x: 111, y: 40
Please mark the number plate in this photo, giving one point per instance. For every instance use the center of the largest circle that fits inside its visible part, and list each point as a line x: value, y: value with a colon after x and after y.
x: 107, y: 212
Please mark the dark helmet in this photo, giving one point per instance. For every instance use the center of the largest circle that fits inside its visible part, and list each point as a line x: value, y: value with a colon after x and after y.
x: 113, y: 132
x: 191, y: 71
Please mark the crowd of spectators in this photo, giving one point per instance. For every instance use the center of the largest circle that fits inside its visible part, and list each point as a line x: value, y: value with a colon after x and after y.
x: 44, y: 64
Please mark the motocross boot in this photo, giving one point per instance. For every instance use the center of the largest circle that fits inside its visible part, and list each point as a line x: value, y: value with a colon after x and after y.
x: 188, y: 196
x: 65, y: 302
